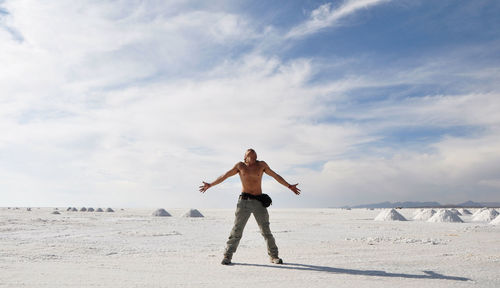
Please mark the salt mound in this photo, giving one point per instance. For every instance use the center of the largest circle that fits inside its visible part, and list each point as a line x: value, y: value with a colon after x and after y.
x: 109, y: 210
x: 56, y: 212
x: 99, y: 210
x: 418, y: 211
x: 479, y: 211
x: 485, y: 215
x: 465, y: 212
x: 193, y: 213
x: 425, y: 214
x: 161, y: 212
x: 90, y: 209
x: 83, y: 209
x: 455, y: 211
x: 74, y: 209
x: 69, y: 208
x: 390, y: 215
x: 496, y: 221
x: 445, y: 216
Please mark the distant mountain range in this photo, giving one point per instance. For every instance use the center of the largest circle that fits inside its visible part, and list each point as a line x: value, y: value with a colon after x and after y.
x: 410, y: 204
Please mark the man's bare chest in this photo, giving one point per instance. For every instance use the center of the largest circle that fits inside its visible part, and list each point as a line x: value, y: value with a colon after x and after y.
x: 251, y: 171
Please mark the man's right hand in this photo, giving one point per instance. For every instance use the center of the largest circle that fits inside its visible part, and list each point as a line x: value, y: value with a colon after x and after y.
x: 204, y: 187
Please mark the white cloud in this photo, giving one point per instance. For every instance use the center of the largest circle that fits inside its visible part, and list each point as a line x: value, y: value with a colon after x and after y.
x: 74, y: 48
x: 148, y: 137
x: 324, y: 16
x: 495, y: 183
x: 459, y: 170
x: 107, y: 105
x: 439, y: 111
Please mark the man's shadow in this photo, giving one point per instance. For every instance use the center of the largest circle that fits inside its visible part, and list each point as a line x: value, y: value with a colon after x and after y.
x: 304, y: 267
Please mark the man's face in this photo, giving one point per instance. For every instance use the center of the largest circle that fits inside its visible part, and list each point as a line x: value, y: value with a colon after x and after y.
x: 250, y: 156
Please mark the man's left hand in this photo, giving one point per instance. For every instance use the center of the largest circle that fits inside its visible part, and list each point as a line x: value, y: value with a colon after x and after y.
x: 294, y: 188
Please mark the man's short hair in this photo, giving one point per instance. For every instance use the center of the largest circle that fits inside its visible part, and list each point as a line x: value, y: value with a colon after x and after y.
x: 253, y: 151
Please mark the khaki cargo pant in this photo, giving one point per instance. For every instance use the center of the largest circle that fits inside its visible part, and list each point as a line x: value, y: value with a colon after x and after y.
x: 244, y: 208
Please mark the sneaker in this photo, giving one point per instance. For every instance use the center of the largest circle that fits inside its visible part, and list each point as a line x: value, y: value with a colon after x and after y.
x: 225, y: 261
x: 276, y: 260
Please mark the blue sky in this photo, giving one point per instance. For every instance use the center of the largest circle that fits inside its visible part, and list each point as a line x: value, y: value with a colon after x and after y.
x: 134, y: 103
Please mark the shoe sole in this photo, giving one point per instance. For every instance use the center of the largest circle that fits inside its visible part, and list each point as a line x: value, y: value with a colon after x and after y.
x: 280, y: 261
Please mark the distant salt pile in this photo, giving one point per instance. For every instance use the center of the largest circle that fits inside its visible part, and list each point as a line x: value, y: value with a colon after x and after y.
x: 465, y: 212
x: 55, y: 212
x: 445, y: 216
x: 485, y: 216
x: 496, y: 221
x: 74, y: 209
x: 479, y: 211
x: 69, y: 208
x: 193, y: 213
x: 90, y: 209
x: 390, y: 215
x: 109, y: 210
x: 99, y: 210
x: 83, y: 209
x: 455, y: 211
x: 161, y: 212
x: 28, y: 209
x: 424, y: 214
x: 418, y: 211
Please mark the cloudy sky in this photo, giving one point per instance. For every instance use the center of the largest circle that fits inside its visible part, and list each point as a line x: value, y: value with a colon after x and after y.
x: 134, y: 103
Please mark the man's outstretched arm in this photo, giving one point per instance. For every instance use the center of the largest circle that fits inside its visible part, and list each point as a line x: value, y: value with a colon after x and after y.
x: 221, y: 178
x: 280, y: 179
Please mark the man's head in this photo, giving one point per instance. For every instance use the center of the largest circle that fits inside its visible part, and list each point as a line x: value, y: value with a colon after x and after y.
x: 250, y: 156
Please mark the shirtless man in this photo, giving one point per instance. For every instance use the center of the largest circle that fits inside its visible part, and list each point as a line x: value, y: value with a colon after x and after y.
x: 251, y: 172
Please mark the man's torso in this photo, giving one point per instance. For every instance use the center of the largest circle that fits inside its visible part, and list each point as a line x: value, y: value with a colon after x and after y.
x: 251, y: 177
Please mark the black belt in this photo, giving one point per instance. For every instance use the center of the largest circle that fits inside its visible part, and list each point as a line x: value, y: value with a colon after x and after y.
x: 246, y: 196
x: 262, y: 198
